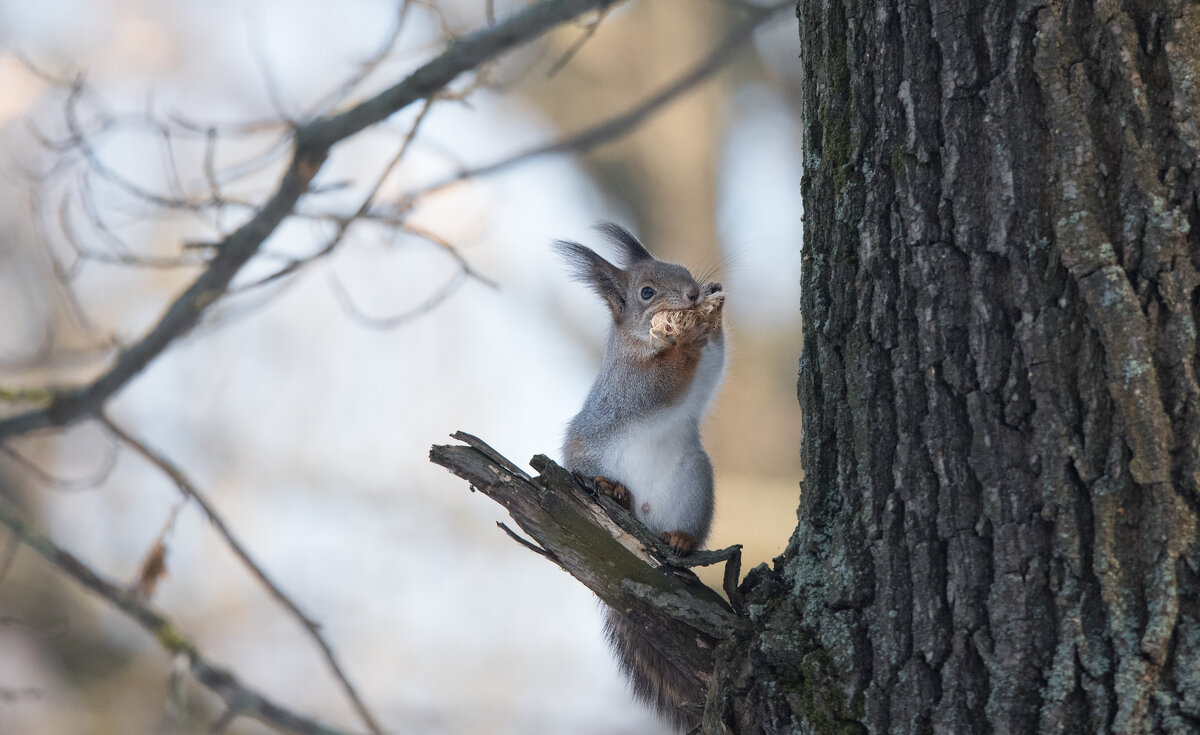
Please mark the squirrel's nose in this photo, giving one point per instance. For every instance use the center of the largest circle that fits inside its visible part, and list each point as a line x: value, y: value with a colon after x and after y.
x: 693, y: 294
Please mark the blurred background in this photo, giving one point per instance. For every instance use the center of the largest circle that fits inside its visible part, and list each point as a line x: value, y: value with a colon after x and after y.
x: 304, y: 408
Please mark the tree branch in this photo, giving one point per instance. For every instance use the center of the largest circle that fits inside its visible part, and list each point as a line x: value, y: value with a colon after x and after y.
x: 591, y: 538
x: 620, y: 124
x: 237, y: 697
x: 191, y: 492
x: 311, y: 145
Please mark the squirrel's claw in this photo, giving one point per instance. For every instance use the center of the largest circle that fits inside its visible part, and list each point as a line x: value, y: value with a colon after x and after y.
x: 681, y: 542
x: 614, y: 490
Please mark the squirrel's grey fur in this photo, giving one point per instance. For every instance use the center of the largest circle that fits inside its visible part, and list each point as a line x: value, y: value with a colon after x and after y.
x: 640, y: 427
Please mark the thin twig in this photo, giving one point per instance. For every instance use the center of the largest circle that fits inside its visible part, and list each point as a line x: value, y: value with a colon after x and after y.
x: 526, y: 542
x: 8, y: 555
x: 465, y: 54
x: 223, y: 722
x: 236, y: 695
x: 79, y: 141
x: 312, y: 143
x: 120, y: 252
x: 445, y: 291
x: 439, y: 13
x: 254, y: 163
x: 189, y: 490
x: 239, y: 129
x: 75, y: 311
x: 618, y: 125
x: 168, y: 153
x: 573, y: 49
x: 210, y: 176
x: 344, y: 224
x: 449, y: 248
x: 368, y: 65
x: 66, y: 484
x: 274, y: 94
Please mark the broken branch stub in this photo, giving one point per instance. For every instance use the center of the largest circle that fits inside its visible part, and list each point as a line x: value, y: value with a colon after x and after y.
x: 614, y: 555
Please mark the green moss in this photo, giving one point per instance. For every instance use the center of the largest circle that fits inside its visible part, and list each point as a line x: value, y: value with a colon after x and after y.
x: 835, y: 126
x: 173, y: 641
x: 902, y: 158
x: 816, y: 694
x: 26, y: 395
x: 205, y: 299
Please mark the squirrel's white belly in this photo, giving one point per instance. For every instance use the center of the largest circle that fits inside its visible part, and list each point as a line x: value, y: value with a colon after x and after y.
x: 648, y: 458
x: 656, y: 457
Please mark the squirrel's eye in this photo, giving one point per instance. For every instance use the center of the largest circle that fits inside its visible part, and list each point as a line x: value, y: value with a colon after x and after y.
x: 648, y: 293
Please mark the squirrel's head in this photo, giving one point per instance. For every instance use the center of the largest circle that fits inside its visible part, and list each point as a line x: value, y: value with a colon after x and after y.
x: 639, y: 289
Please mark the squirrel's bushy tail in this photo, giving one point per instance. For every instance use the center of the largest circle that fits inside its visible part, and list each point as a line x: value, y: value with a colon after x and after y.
x: 656, y: 681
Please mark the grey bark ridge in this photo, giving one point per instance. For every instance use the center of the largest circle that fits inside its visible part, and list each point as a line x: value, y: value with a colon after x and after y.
x: 998, y: 525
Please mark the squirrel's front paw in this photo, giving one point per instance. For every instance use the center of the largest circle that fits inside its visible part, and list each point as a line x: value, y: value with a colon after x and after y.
x: 614, y: 490
x: 680, y: 542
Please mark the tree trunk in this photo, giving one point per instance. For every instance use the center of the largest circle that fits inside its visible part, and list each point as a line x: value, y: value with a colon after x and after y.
x: 998, y: 524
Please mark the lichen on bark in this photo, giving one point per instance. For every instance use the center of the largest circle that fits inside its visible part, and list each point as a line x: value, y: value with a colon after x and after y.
x: 998, y: 523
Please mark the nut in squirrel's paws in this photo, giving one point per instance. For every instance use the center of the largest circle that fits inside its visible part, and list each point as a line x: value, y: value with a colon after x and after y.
x: 666, y: 327
x: 680, y: 542
x: 614, y: 490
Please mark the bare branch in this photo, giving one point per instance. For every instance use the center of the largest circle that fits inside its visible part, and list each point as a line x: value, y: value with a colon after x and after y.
x: 253, y: 127
x: 526, y: 542
x: 189, y: 490
x: 445, y: 291
x: 368, y: 65
x: 237, y: 696
x: 79, y: 140
x: 252, y: 164
x: 223, y: 722
x: 589, y: 31
x: 344, y: 224
x: 274, y: 94
x: 466, y: 53
x: 606, y: 549
x: 439, y: 13
x: 312, y: 142
x: 120, y: 253
x: 618, y: 125
x: 25, y: 395
x: 453, y: 251
x: 7, y: 555
x: 67, y: 484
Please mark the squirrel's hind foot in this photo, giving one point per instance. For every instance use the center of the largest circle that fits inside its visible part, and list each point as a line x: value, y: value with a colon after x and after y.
x: 614, y: 490
x: 681, y: 542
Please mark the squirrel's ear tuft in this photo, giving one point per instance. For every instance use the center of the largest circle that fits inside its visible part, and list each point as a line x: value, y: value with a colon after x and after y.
x: 632, y: 249
x: 605, y: 278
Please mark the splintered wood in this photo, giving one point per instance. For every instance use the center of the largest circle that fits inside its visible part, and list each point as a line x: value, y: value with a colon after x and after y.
x: 668, y: 327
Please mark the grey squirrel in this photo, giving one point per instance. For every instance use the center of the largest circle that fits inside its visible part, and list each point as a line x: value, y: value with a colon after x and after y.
x: 638, y: 433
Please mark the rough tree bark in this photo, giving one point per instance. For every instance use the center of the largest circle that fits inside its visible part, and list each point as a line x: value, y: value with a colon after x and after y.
x: 998, y: 524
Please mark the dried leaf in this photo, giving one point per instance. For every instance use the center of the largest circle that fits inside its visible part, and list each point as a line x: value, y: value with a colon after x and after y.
x: 154, y: 568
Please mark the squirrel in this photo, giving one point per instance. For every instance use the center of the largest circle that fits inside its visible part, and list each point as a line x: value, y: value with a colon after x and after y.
x: 637, y: 436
